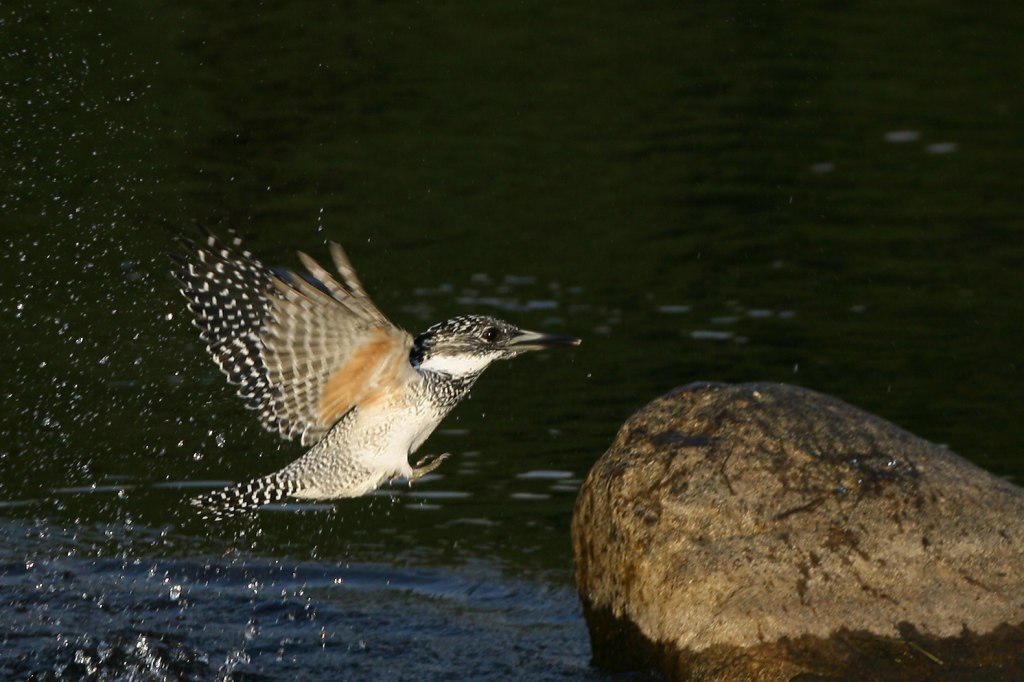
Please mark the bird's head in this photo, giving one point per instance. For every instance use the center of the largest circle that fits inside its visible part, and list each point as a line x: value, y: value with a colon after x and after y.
x: 464, y: 346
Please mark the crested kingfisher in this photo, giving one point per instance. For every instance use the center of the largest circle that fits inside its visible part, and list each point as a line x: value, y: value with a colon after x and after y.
x: 317, y: 361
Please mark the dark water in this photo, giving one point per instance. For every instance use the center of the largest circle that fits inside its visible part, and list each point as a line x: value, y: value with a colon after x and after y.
x: 811, y: 194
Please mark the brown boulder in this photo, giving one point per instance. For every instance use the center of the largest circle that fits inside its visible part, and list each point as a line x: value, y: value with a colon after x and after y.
x: 768, y: 532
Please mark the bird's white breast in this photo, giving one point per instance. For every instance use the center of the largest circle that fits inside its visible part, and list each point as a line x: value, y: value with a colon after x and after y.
x: 387, y: 436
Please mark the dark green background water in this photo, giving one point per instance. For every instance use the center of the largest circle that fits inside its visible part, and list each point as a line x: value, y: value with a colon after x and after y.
x: 808, y: 193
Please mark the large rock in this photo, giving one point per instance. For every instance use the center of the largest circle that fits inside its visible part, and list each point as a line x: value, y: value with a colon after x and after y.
x: 767, y: 532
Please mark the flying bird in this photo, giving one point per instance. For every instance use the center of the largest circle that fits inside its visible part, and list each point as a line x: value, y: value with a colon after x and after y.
x: 318, y: 361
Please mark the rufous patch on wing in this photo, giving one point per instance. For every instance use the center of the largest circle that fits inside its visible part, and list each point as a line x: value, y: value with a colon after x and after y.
x: 363, y: 379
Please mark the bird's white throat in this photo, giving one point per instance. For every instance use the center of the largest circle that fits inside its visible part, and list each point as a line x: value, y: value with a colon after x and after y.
x: 461, y: 365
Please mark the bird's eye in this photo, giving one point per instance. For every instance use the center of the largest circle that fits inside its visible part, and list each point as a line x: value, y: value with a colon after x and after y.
x: 491, y: 334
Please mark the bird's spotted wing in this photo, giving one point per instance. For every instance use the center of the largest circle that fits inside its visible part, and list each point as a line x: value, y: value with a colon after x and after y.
x: 327, y: 349
x: 304, y: 349
x: 229, y: 293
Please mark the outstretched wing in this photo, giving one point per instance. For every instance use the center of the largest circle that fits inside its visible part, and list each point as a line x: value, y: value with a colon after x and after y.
x: 304, y: 349
x: 329, y: 349
x: 229, y: 293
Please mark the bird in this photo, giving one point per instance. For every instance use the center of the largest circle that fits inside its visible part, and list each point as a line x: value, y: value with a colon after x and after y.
x: 317, y: 361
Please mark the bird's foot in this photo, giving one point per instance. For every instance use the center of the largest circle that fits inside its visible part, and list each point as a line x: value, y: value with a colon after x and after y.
x: 426, y: 465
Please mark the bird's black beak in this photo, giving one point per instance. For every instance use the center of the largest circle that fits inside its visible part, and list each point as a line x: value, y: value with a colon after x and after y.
x: 526, y: 340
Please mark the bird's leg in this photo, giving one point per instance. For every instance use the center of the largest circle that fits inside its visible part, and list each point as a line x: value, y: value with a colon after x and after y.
x: 426, y: 465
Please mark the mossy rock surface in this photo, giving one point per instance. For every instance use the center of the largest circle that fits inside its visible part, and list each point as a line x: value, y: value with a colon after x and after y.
x: 768, y: 532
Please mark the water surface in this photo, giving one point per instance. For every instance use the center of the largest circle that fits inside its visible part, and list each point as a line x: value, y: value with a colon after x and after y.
x: 701, y: 193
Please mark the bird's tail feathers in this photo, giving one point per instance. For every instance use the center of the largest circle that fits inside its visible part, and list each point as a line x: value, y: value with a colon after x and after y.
x: 243, y: 499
